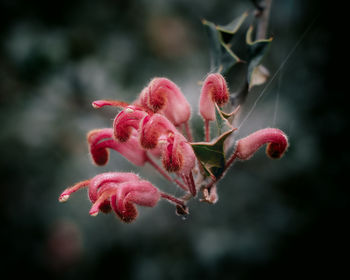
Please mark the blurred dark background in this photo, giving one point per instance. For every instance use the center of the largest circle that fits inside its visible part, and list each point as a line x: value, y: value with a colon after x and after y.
x: 278, y: 219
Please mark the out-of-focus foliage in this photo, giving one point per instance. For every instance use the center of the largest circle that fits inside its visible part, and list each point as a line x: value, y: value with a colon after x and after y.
x: 276, y: 219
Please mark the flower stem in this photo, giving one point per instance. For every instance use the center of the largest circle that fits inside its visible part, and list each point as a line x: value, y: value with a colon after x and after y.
x: 164, y: 174
x: 207, y: 130
x: 188, y: 131
x: 172, y: 199
x: 227, y: 166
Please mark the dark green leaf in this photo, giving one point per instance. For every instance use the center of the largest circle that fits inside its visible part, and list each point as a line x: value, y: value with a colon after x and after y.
x: 257, y: 50
x: 233, y: 26
x: 222, y: 57
x: 211, y: 155
x: 221, y: 122
x: 232, y: 114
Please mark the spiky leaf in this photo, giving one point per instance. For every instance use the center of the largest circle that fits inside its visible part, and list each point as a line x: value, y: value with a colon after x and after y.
x: 211, y: 155
x: 257, y: 50
x: 222, y: 56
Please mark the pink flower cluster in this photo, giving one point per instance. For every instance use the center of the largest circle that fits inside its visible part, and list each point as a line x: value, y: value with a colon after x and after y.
x: 150, y: 130
x: 117, y: 191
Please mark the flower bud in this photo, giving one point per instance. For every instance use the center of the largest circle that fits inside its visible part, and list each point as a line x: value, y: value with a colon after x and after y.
x: 276, y: 140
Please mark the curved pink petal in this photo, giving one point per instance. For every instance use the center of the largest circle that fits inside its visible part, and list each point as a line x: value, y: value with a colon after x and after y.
x: 214, y: 90
x: 276, y: 140
x: 102, y: 203
x: 98, y: 181
x: 127, y: 194
x: 165, y: 97
x: 152, y: 127
x: 100, y: 140
x: 127, y: 120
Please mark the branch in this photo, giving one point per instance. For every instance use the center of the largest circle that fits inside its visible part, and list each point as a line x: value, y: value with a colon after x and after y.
x: 262, y: 15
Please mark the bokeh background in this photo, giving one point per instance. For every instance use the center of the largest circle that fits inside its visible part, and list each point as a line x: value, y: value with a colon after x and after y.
x: 278, y: 219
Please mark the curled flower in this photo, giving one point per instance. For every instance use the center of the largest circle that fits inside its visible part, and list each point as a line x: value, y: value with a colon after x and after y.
x: 177, y: 154
x: 123, y: 196
x: 142, y: 193
x: 117, y: 191
x: 276, y: 140
x: 152, y: 127
x: 126, y: 120
x: 100, y: 140
x: 96, y: 183
x: 214, y: 90
x: 165, y: 97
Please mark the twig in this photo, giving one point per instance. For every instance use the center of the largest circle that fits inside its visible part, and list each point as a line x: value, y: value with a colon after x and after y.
x: 262, y: 16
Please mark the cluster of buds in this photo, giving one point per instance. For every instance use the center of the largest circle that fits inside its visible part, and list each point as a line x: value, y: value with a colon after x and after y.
x: 150, y: 131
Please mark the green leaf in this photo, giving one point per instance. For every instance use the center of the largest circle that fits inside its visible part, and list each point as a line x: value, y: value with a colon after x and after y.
x: 222, y: 56
x: 257, y: 50
x: 234, y: 25
x: 222, y: 123
x: 211, y: 155
x: 232, y: 114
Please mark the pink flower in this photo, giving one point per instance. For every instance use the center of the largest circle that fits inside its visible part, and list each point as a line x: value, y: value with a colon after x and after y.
x: 100, y: 140
x: 152, y: 127
x: 123, y: 196
x: 127, y: 119
x: 165, y: 97
x: 96, y: 182
x: 117, y: 191
x: 214, y: 90
x: 276, y: 140
x: 177, y: 154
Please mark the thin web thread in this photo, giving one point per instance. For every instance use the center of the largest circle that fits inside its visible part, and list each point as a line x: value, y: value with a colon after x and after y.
x: 277, y: 99
x: 302, y: 37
